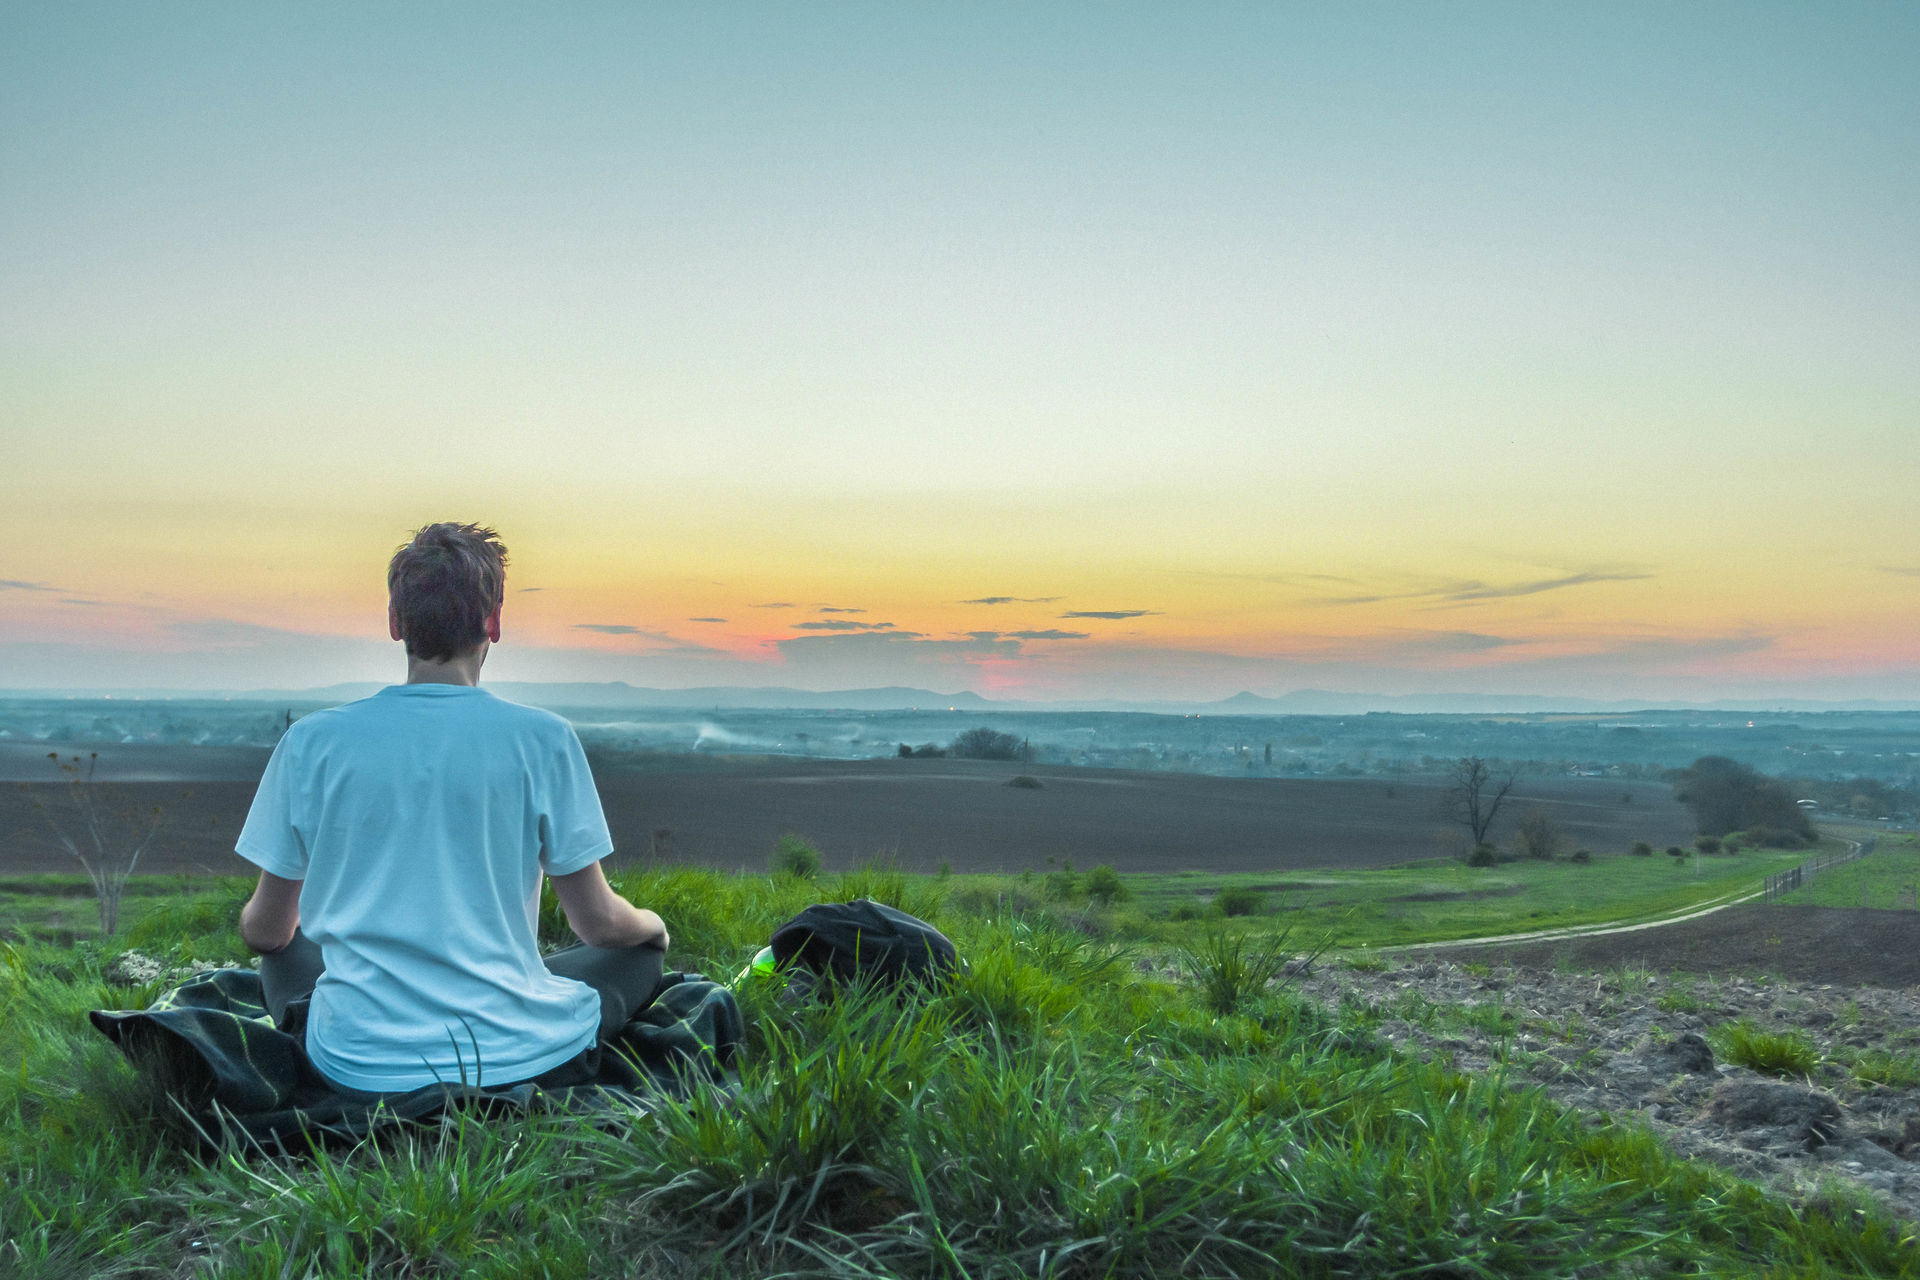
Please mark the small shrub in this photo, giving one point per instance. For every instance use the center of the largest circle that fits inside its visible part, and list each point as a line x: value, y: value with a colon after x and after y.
x: 1105, y: 886
x: 1026, y: 782
x: 1707, y: 844
x: 1786, y: 1053
x: 1062, y: 885
x: 1187, y: 909
x: 793, y: 856
x: 1483, y: 855
x: 1238, y: 900
x: 1538, y: 835
x: 1675, y: 852
x: 987, y: 744
x: 1581, y: 856
x: 1641, y: 849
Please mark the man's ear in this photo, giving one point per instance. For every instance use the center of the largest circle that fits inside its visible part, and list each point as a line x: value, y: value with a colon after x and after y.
x: 393, y: 622
x: 492, y: 624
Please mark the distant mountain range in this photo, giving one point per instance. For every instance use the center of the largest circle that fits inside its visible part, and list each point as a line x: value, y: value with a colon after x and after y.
x: 614, y: 695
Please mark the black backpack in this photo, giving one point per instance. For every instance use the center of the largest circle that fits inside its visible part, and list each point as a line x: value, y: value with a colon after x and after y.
x: 863, y: 940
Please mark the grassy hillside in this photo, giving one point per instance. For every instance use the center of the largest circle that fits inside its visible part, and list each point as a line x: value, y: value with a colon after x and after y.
x: 1056, y: 1112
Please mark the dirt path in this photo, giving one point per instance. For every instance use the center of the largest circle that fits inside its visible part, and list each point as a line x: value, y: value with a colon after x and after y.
x: 1597, y: 930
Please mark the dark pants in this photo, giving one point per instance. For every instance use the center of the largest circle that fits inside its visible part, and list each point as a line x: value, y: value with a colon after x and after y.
x: 625, y: 977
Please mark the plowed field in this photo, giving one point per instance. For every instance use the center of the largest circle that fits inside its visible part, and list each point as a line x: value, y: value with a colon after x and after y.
x: 921, y: 812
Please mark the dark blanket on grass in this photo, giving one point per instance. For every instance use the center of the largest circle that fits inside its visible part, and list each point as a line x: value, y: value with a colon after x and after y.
x: 212, y: 1047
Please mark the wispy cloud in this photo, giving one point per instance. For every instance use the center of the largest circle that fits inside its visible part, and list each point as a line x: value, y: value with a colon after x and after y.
x: 880, y: 655
x: 1111, y: 615
x: 1467, y: 591
x: 827, y: 608
x: 14, y: 584
x: 1048, y: 635
x: 1439, y: 643
x: 775, y: 604
x: 842, y: 624
x: 622, y: 629
x: 706, y: 619
x: 77, y: 600
x: 1482, y: 591
x: 1012, y: 600
x: 1901, y: 570
x: 525, y: 591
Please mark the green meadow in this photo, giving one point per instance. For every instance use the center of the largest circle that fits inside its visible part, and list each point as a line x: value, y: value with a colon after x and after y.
x: 1430, y: 901
x: 1061, y: 1109
x: 1888, y: 879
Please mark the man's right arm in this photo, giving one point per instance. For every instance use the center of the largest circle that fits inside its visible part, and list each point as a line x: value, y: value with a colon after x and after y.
x: 601, y: 917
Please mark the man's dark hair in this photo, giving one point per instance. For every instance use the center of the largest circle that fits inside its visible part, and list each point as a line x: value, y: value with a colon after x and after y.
x: 443, y: 584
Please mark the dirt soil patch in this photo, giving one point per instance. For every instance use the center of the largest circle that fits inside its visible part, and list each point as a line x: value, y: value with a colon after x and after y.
x: 1848, y: 946
x: 1635, y: 1044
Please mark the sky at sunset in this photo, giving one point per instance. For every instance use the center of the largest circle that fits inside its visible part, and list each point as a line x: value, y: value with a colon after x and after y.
x: 1047, y: 351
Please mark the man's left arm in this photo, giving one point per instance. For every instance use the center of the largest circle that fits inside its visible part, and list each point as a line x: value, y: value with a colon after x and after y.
x: 271, y: 840
x: 272, y: 914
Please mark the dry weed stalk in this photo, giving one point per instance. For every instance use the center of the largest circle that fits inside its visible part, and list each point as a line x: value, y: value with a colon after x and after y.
x: 107, y: 844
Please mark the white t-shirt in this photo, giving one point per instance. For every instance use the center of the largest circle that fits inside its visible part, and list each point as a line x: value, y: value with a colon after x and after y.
x: 420, y: 820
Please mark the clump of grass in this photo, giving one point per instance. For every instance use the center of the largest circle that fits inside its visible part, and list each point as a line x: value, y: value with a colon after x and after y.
x: 1678, y: 999
x: 885, y: 881
x: 1773, y: 1053
x: 195, y: 926
x: 1230, y: 966
x: 794, y: 856
x: 1239, y: 900
x: 1025, y: 782
x: 1885, y: 1067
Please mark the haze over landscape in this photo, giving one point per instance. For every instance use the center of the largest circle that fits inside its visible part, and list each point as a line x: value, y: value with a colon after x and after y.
x: 1138, y: 355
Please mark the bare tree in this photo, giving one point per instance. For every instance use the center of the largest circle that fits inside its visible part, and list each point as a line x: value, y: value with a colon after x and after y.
x: 107, y: 842
x: 1477, y: 793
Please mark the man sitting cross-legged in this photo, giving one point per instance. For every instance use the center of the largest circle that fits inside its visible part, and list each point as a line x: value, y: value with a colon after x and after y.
x: 401, y: 841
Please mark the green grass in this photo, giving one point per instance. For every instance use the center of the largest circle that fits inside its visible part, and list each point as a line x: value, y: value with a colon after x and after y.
x: 1887, y: 878
x: 1774, y: 1053
x: 1680, y: 997
x: 1443, y: 899
x: 1885, y: 1067
x: 1057, y: 1111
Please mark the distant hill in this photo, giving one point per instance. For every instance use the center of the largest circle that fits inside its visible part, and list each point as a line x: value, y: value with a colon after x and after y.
x: 1327, y: 702
x: 601, y: 696
x: 615, y: 694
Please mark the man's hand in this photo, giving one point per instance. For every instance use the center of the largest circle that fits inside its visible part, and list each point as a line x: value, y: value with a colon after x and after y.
x: 272, y: 914
x: 601, y: 917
